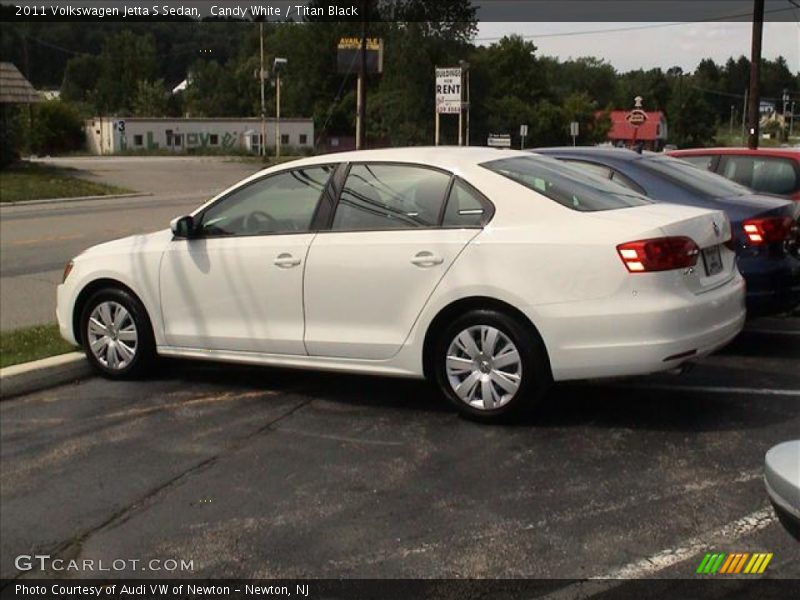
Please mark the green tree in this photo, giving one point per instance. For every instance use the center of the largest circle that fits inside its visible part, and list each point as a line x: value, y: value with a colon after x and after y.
x: 126, y: 60
x: 150, y: 99
x: 56, y: 127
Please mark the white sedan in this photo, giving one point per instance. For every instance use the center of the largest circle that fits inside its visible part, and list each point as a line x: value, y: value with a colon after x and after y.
x: 490, y: 272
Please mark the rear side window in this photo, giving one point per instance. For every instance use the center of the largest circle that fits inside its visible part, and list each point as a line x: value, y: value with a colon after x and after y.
x: 704, y: 161
x: 466, y: 207
x: 568, y: 185
x: 772, y: 175
x: 377, y: 196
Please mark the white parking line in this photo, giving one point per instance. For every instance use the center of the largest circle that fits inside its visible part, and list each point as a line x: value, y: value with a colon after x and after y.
x: 713, y: 389
x: 649, y: 566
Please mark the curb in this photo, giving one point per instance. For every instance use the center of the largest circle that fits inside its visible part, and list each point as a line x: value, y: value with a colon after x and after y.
x: 42, y: 374
x: 74, y: 199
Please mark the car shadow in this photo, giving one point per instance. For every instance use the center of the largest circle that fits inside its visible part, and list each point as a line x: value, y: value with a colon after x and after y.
x: 585, y: 404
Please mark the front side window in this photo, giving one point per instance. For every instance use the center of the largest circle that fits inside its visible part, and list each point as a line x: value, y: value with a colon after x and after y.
x: 764, y: 174
x: 282, y: 203
x: 568, y: 185
x: 377, y: 196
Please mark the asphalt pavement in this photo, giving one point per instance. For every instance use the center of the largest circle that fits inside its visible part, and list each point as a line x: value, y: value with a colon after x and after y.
x: 267, y: 473
x: 37, y: 240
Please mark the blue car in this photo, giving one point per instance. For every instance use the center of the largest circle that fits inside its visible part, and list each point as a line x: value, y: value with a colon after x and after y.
x: 766, y: 228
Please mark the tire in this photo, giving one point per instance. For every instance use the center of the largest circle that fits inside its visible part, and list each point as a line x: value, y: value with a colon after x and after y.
x: 505, y: 361
x: 119, y: 345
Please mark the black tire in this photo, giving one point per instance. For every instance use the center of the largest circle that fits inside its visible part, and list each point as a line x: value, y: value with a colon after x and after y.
x: 534, y: 370
x: 144, y: 354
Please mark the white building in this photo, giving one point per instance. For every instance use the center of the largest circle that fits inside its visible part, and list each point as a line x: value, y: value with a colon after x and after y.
x: 110, y: 135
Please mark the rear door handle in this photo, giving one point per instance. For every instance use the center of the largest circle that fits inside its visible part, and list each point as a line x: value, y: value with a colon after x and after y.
x: 426, y: 259
x: 284, y: 260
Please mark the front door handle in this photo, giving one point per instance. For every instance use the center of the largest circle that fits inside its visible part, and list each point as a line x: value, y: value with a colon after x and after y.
x: 284, y: 260
x: 426, y: 259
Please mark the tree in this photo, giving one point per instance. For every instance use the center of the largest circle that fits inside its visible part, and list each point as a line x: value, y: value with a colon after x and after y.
x: 126, y: 60
x: 56, y: 127
x: 150, y: 99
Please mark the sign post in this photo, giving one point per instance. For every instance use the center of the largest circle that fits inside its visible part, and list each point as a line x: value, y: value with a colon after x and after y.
x: 448, y: 95
x: 523, y: 133
x: 573, y: 131
x: 636, y: 118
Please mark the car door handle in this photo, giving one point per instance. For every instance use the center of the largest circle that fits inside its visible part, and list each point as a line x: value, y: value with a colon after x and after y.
x: 284, y: 260
x: 426, y: 259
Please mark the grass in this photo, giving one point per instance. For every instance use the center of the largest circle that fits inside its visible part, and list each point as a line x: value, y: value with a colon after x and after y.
x: 28, y: 181
x: 31, y: 343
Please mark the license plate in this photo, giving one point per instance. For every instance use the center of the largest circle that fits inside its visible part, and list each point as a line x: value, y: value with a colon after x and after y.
x: 712, y: 260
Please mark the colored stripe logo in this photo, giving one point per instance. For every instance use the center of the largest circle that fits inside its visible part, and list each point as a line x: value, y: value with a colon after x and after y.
x: 737, y: 562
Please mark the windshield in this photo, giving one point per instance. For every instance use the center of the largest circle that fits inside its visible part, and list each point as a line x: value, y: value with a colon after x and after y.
x: 568, y: 185
x: 694, y: 178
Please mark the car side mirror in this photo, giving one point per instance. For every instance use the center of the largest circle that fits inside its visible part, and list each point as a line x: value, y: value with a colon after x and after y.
x: 182, y: 227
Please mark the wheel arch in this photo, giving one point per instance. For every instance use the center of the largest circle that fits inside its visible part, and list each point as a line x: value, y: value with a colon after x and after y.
x: 89, y: 290
x: 462, y: 305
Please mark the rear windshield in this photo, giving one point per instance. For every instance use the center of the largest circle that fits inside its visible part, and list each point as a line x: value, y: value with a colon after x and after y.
x: 694, y: 178
x: 567, y: 185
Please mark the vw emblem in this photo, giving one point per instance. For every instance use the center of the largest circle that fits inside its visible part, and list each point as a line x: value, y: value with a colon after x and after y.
x: 716, y: 228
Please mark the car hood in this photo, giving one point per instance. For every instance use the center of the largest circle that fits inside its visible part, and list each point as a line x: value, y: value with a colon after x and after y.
x: 130, y: 245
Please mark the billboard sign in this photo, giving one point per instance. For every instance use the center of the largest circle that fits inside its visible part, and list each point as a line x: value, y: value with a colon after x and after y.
x: 448, y: 91
x: 348, y: 55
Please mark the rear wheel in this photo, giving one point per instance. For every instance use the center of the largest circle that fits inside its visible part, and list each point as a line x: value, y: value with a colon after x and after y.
x: 490, y: 365
x: 116, y: 334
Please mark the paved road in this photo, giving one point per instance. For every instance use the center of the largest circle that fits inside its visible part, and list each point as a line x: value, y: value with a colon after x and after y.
x: 36, y: 241
x: 254, y: 472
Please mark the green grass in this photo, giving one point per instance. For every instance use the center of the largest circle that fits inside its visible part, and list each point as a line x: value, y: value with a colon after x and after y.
x: 31, y: 343
x: 28, y: 181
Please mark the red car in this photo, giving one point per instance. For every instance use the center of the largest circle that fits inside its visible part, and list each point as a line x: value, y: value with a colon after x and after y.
x: 766, y: 170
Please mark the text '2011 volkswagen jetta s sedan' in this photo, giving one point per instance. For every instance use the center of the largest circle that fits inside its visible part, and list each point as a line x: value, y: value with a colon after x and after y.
x: 490, y: 272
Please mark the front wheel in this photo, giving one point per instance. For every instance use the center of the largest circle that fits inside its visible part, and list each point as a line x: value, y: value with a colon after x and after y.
x: 117, y: 335
x: 491, y: 366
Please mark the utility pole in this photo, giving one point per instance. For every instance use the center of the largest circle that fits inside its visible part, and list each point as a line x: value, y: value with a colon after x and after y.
x: 744, y: 117
x: 361, y: 90
x: 733, y: 111
x: 262, y: 145
x: 755, y: 75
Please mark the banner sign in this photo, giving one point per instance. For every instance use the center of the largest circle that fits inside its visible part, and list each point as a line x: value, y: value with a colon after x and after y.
x: 348, y: 55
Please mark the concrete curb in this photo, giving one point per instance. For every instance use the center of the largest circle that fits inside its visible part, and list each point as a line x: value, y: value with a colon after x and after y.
x: 74, y: 199
x: 41, y: 374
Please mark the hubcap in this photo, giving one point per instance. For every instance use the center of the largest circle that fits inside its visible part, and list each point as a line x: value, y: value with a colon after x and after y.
x: 112, y: 336
x: 484, y: 367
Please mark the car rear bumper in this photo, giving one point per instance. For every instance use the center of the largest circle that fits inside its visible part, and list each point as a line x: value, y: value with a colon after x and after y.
x: 639, y: 334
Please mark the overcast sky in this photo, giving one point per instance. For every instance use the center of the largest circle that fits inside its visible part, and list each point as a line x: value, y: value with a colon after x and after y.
x: 649, y: 45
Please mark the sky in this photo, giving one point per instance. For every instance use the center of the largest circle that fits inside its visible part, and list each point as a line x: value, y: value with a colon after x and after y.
x: 650, y: 45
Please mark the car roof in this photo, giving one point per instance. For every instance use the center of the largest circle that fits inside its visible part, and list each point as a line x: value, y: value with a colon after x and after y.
x: 782, y: 152
x: 596, y: 151
x: 444, y: 157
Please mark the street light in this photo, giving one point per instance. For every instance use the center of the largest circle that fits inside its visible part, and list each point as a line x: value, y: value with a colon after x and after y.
x: 464, y: 68
x: 278, y: 65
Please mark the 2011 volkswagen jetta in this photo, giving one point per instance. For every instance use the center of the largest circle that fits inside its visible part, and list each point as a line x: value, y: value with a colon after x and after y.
x: 492, y: 273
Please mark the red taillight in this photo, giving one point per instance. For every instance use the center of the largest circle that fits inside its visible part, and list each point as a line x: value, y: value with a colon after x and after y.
x: 659, y: 254
x: 768, y: 230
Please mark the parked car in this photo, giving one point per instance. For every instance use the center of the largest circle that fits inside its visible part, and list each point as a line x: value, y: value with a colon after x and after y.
x: 782, y: 480
x: 490, y: 272
x: 766, y: 234
x: 766, y: 170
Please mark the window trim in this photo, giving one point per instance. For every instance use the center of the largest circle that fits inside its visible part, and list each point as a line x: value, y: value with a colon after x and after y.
x: 198, y: 215
x: 341, y: 177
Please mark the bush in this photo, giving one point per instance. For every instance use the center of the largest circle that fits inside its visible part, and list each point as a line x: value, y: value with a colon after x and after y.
x: 9, y: 136
x: 57, y: 127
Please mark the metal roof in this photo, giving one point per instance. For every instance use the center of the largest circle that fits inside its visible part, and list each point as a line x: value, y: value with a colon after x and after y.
x: 14, y: 88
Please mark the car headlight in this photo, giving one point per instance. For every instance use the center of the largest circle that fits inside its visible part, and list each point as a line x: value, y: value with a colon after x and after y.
x: 67, y: 271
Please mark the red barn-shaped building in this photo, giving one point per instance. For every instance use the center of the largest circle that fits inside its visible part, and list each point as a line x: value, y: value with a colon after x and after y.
x: 652, y: 134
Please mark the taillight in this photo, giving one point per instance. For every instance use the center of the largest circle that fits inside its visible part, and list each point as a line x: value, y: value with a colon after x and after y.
x: 659, y: 254
x: 767, y: 230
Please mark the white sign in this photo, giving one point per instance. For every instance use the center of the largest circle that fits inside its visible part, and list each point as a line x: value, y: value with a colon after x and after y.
x: 573, y: 129
x: 523, y: 130
x: 499, y: 140
x: 448, y: 91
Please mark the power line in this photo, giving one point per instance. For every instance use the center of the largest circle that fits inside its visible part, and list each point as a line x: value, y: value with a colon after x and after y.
x: 633, y: 28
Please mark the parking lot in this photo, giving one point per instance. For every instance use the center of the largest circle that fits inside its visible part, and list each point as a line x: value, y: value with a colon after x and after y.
x: 255, y: 472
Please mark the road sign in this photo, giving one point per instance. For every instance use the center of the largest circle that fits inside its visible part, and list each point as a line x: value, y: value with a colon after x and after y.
x: 523, y: 130
x: 448, y: 91
x: 573, y: 129
x: 501, y: 140
x: 636, y: 117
